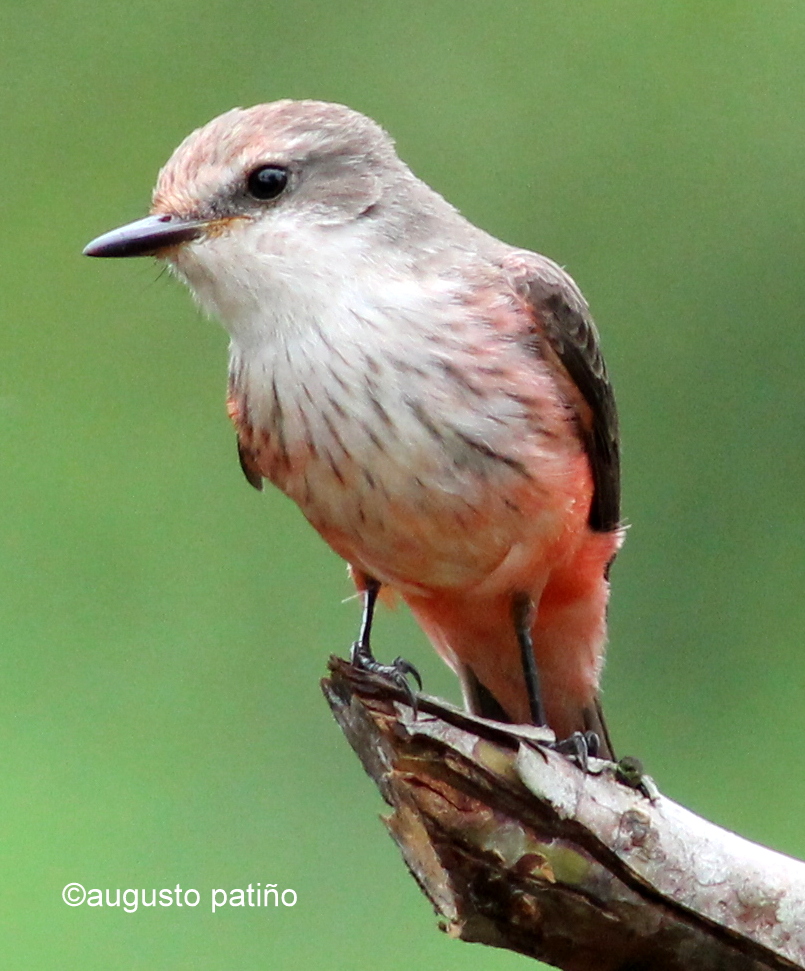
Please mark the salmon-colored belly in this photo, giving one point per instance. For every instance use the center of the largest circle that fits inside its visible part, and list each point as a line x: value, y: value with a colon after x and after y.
x: 418, y: 517
x: 456, y: 541
x: 491, y: 535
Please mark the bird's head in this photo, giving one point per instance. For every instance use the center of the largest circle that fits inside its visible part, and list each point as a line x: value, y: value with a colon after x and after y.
x: 269, y: 209
x: 283, y: 197
x: 269, y: 167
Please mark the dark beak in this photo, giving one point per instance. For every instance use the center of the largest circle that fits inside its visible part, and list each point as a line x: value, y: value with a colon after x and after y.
x: 147, y: 237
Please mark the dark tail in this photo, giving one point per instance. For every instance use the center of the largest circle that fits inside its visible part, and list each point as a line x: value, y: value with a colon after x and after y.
x: 481, y: 701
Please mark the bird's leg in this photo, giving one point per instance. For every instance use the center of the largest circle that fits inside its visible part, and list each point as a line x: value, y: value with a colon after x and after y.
x: 362, y: 658
x: 522, y: 612
x: 362, y: 648
x: 580, y: 745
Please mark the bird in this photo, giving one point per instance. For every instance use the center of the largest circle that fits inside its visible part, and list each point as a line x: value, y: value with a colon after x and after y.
x: 433, y: 399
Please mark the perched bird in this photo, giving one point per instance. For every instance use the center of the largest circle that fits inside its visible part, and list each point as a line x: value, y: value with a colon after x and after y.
x: 433, y: 399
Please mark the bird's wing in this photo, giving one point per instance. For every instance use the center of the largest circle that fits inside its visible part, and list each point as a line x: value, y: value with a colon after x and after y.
x: 249, y: 467
x: 564, y: 334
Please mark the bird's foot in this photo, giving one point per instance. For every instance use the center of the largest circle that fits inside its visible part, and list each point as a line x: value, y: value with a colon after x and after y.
x: 579, y: 747
x: 397, y: 673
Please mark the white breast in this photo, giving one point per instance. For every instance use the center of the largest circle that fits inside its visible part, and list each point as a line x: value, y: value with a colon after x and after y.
x: 404, y: 405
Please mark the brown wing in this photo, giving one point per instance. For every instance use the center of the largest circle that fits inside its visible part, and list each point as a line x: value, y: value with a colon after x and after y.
x: 249, y: 468
x: 564, y: 328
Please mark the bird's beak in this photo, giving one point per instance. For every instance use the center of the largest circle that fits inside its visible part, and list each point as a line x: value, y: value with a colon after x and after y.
x: 147, y: 237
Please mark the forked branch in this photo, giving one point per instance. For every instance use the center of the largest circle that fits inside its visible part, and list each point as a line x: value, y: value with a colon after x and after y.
x: 518, y: 848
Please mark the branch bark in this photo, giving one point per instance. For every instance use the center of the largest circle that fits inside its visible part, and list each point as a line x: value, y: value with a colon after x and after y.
x: 516, y: 847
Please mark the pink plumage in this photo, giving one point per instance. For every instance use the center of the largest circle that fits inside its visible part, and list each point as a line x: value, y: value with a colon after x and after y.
x: 433, y: 399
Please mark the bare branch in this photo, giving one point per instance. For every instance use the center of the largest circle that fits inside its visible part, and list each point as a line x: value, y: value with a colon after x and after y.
x: 518, y: 848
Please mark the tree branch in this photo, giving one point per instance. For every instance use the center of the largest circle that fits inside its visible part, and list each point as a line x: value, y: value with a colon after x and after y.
x: 516, y: 847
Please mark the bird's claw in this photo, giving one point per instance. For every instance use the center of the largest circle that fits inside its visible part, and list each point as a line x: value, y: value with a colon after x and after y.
x: 397, y: 673
x: 405, y: 670
x: 580, y: 747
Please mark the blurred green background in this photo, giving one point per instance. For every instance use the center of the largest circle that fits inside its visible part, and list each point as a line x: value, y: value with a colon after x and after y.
x: 164, y: 626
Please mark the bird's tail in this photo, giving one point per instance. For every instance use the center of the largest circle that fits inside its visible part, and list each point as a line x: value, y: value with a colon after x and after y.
x: 478, y: 641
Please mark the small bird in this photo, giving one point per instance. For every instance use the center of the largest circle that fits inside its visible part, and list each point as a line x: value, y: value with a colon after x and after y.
x: 433, y: 399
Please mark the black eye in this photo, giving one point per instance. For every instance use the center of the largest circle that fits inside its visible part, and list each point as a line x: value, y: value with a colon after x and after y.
x: 267, y: 182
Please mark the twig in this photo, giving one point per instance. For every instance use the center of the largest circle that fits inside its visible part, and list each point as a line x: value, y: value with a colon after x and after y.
x: 516, y: 847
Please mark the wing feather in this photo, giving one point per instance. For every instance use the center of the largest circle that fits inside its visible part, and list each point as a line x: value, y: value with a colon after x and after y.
x: 563, y: 329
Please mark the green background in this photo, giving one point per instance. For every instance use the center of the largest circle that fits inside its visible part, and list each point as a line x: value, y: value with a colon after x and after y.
x: 164, y: 626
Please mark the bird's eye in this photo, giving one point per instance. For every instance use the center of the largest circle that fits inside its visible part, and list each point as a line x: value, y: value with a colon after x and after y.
x: 267, y: 182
